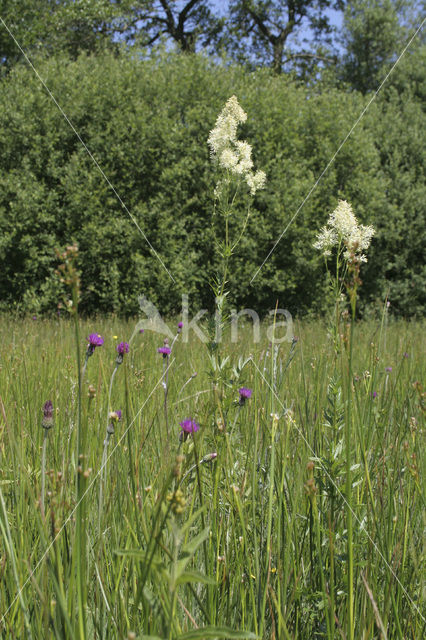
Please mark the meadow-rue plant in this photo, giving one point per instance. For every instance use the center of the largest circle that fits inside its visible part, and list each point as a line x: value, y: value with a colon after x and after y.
x: 342, y: 228
x: 231, y: 154
x: 233, y: 159
x: 350, y: 239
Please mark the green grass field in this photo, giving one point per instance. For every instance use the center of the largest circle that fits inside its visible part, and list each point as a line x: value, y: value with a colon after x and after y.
x: 141, y: 539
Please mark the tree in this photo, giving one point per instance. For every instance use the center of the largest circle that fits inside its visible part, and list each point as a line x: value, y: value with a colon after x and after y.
x: 54, y: 25
x: 374, y: 32
x: 187, y: 23
x: 74, y: 26
x: 265, y: 29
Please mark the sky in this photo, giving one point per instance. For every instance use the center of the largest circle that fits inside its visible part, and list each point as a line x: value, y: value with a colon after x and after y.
x: 336, y: 17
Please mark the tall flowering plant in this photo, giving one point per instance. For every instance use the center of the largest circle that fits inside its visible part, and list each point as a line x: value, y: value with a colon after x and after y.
x: 233, y: 159
x: 236, y: 177
x: 348, y: 241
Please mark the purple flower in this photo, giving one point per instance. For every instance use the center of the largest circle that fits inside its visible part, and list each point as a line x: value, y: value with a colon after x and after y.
x: 180, y: 325
x: 166, y: 351
x: 95, y: 340
x: 245, y: 394
x: 141, y: 330
x: 34, y: 317
x: 188, y: 426
x: 388, y: 369
x: 405, y: 354
x: 47, y: 421
x: 375, y: 394
x: 122, y: 348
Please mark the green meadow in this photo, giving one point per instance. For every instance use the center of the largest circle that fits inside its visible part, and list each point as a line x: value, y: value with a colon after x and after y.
x: 240, y: 529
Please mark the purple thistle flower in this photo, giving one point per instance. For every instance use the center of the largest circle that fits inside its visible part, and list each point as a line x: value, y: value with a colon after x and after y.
x: 34, y: 317
x: 165, y: 351
x: 188, y: 426
x: 180, y: 325
x: 405, y: 354
x: 375, y: 394
x: 47, y: 421
x: 95, y: 340
x: 141, y: 330
x: 245, y: 394
x: 122, y: 348
x: 388, y: 369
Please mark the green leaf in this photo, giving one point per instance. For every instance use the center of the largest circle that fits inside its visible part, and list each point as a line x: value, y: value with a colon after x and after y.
x: 194, y: 576
x: 189, y: 549
x: 187, y: 525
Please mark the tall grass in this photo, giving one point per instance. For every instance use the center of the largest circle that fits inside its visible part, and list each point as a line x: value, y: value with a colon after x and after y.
x: 253, y: 541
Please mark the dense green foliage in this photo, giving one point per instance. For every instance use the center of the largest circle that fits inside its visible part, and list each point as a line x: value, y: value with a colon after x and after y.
x: 250, y: 560
x: 146, y: 122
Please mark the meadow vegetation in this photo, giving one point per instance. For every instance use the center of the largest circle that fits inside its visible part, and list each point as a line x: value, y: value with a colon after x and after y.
x: 253, y: 539
x: 168, y: 488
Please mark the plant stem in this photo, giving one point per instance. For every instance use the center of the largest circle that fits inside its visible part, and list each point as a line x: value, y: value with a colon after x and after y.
x: 80, y: 543
x: 348, y: 490
x: 43, y: 471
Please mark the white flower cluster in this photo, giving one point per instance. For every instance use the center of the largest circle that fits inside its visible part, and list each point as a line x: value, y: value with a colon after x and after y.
x: 232, y: 154
x: 342, y: 227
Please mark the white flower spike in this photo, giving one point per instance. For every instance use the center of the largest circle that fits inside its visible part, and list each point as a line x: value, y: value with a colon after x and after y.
x: 342, y: 227
x: 234, y: 155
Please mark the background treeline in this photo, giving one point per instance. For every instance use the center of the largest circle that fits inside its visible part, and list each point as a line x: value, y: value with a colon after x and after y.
x: 145, y: 114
